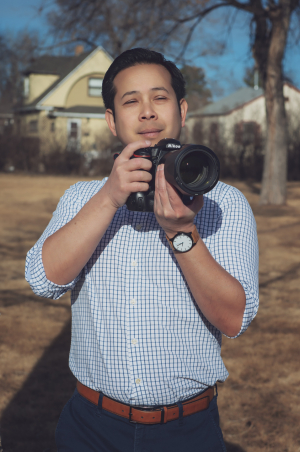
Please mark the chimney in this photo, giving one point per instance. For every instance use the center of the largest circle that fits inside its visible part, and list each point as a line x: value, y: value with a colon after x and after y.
x: 79, y: 50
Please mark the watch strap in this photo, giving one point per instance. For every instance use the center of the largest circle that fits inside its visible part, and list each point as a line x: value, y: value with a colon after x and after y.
x: 194, y: 236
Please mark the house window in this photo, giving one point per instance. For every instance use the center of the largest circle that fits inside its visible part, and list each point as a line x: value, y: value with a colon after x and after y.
x: 33, y: 126
x: 74, y: 135
x: 95, y: 87
x: 74, y: 130
x: 26, y: 87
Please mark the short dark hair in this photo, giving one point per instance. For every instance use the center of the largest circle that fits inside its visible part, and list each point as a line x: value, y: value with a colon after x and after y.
x: 131, y: 58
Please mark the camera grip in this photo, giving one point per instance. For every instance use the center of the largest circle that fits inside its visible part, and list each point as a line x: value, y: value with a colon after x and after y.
x: 140, y: 201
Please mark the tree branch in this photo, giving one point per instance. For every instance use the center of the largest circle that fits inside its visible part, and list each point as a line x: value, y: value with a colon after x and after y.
x: 254, y: 6
x: 188, y: 38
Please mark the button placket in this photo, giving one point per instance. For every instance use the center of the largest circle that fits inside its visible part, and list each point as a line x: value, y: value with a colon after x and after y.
x: 133, y: 312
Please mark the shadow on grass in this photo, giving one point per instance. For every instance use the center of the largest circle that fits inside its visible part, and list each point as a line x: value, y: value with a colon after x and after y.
x: 28, y: 423
x: 230, y: 447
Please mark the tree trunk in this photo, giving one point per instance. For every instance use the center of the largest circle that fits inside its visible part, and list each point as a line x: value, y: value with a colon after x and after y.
x: 275, y: 162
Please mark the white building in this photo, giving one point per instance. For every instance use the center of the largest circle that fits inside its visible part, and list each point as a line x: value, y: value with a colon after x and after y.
x: 239, y: 119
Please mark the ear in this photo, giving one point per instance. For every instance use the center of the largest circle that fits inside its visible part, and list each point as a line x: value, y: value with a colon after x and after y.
x: 109, y: 116
x: 183, y: 111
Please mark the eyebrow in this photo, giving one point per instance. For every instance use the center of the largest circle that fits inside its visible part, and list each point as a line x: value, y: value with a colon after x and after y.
x: 157, y: 88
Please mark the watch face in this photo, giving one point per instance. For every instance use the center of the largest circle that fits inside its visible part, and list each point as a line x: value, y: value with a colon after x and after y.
x: 182, y: 243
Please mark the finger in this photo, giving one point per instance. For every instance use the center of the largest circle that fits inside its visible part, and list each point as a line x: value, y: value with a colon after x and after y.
x: 173, y: 195
x: 138, y: 186
x: 142, y: 176
x: 132, y: 147
x: 138, y: 163
x: 171, y: 192
x: 157, y: 200
x: 161, y: 188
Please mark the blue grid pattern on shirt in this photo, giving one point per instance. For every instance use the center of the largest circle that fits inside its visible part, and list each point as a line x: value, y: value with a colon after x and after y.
x: 137, y: 333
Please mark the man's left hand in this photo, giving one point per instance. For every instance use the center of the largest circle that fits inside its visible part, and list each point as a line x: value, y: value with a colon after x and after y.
x: 170, y: 212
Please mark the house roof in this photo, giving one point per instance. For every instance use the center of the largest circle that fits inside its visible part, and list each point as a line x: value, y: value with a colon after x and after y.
x: 79, y: 111
x: 57, y: 65
x: 85, y: 109
x: 231, y: 102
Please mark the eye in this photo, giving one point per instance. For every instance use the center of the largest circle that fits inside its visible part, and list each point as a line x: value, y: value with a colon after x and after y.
x: 160, y: 99
x: 132, y: 101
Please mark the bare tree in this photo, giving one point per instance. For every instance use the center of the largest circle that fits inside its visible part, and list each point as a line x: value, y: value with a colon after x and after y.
x: 116, y: 24
x: 16, y: 52
x: 272, y: 24
x: 269, y: 27
x: 123, y: 24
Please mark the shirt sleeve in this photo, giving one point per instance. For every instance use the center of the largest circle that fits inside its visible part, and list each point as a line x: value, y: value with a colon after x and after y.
x: 237, y: 248
x: 69, y: 205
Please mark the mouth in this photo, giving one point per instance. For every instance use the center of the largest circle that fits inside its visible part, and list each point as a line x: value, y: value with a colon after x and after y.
x: 150, y: 133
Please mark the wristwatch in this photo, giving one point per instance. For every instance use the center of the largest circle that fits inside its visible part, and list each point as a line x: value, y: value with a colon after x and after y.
x: 184, y: 241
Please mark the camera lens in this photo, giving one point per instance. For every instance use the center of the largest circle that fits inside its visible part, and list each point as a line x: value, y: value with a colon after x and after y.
x: 193, y: 168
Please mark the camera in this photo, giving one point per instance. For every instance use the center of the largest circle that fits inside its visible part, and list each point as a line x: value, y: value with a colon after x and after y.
x: 191, y: 168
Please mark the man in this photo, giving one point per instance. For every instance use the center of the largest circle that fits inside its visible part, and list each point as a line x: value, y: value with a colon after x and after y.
x: 147, y: 320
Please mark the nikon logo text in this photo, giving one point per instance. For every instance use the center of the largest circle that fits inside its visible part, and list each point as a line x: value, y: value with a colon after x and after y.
x: 174, y: 146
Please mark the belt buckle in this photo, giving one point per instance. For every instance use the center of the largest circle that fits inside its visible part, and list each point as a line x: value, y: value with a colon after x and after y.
x: 130, y: 414
x: 149, y: 409
x: 162, y: 416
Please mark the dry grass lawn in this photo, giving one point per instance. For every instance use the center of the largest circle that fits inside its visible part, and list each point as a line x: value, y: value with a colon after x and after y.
x: 259, y: 403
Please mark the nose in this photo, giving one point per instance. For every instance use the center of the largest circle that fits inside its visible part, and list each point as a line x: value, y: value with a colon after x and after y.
x: 147, y: 112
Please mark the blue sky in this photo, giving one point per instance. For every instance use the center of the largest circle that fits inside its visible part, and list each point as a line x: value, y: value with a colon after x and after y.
x: 224, y: 72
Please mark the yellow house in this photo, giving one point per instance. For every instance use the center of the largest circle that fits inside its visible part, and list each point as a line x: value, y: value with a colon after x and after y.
x: 63, y: 105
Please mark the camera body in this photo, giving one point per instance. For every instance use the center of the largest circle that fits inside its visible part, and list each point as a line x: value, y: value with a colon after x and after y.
x: 192, y: 169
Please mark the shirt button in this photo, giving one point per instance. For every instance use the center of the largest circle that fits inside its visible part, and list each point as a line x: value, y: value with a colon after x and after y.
x: 138, y: 227
x: 138, y: 381
x: 133, y: 301
x: 134, y: 341
x: 134, y: 263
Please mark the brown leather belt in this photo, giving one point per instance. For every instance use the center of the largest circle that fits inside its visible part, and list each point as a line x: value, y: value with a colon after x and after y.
x: 148, y: 415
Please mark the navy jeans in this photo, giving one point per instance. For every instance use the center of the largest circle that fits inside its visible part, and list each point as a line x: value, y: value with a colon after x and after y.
x: 84, y: 427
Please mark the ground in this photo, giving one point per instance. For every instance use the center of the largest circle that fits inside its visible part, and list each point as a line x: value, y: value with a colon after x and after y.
x: 260, y: 401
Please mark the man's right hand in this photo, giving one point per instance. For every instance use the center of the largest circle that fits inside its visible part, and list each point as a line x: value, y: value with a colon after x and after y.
x: 128, y: 175
x: 67, y: 250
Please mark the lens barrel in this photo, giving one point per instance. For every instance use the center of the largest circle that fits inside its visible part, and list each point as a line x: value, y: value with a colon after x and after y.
x: 193, y: 169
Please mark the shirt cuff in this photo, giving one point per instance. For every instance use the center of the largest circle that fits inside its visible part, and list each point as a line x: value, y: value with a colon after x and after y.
x: 40, y: 284
x: 251, y: 308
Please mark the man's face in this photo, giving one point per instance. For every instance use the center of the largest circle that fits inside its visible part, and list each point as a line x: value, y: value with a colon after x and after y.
x: 146, y: 106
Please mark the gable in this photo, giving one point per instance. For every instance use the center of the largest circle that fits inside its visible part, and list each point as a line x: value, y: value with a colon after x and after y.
x: 38, y: 84
x: 79, y: 93
x: 96, y: 62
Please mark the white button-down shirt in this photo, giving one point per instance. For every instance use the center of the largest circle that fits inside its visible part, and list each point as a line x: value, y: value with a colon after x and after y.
x: 137, y: 333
